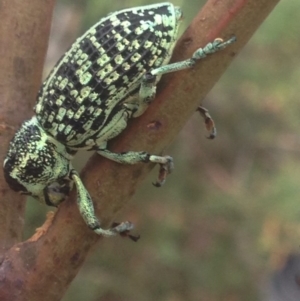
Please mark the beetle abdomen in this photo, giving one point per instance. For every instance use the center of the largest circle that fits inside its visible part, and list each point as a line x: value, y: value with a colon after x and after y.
x: 101, y: 68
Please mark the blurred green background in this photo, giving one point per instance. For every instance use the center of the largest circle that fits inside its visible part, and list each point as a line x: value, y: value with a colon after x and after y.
x: 227, y: 217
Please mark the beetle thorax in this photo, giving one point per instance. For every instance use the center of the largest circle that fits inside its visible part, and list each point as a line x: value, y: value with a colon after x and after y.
x: 35, y: 160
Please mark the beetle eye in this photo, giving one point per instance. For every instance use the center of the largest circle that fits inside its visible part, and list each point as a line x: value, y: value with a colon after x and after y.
x: 15, y: 185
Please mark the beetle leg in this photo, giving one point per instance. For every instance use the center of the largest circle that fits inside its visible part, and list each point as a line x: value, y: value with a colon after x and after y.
x: 148, y: 84
x: 86, y: 209
x: 130, y: 157
x: 200, y: 53
x: 209, y: 122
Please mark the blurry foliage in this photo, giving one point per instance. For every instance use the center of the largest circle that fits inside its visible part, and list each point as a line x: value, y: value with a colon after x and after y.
x: 228, y: 216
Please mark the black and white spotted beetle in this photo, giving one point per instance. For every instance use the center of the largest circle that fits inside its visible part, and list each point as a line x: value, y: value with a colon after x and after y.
x: 108, y: 76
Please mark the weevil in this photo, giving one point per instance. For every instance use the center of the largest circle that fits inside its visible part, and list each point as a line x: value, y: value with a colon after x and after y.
x: 108, y: 76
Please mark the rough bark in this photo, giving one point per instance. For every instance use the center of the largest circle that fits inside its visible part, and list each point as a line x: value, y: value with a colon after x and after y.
x: 42, y: 267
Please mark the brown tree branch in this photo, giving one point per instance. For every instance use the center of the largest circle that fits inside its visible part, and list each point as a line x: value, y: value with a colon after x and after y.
x: 43, y: 266
x: 24, y: 32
